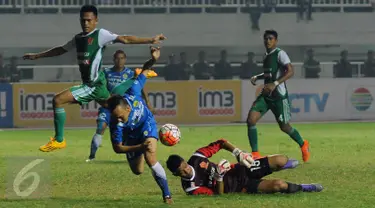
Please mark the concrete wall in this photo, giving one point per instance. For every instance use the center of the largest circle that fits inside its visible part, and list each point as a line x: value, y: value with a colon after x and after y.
x: 194, y: 29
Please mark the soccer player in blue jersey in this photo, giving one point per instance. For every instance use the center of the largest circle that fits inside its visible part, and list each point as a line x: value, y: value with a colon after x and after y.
x: 120, y: 79
x: 134, y: 133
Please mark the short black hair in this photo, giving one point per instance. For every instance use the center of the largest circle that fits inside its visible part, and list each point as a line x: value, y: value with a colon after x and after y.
x: 270, y: 32
x: 119, y: 52
x: 114, y: 101
x: 174, y: 162
x: 88, y: 8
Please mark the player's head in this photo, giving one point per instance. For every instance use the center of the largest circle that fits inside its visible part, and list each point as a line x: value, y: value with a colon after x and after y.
x: 88, y: 18
x: 119, y: 59
x: 179, y: 167
x: 119, y: 107
x: 270, y: 39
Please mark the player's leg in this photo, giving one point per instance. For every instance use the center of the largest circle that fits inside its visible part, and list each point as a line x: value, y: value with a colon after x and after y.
x: 150, y: 131
x: 158, y: 171
x: 102, y: 122
x: 281, y: 110
x: 136, y: 162
x: 58, y: 141
x: 281, y: 162
x: 257, y: 110
x: 274, y: 186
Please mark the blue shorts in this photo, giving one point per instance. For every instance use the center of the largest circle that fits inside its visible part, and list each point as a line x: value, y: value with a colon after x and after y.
x: 104, y: 115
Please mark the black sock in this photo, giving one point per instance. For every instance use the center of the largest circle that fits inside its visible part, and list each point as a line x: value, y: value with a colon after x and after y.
x: 292, y: 188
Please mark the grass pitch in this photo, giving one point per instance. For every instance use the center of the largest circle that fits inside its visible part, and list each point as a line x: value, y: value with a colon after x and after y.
x: 342, y: 160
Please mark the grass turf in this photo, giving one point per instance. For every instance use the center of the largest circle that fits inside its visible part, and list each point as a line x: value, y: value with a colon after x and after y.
x: 342, y: 160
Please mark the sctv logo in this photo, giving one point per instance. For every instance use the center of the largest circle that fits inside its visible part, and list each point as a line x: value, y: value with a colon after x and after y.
x: 3, y: 106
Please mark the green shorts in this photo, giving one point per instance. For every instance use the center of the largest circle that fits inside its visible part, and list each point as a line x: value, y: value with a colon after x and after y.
x: 85, y: 93
x: 280, y: 108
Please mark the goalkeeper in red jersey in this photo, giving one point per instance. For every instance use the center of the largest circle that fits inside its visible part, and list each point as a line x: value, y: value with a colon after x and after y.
x: 200, y: 176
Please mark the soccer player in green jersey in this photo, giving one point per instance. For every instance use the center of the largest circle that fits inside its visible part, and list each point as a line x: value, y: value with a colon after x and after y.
x: 89, y: 45
x: 274, y: 96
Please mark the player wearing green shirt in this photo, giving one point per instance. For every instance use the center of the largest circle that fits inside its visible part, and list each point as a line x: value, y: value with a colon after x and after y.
x: 89, y: 46
x: 274, y: 96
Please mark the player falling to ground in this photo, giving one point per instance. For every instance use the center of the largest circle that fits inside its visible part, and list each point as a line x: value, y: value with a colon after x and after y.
x: 89, y: 45
x: 200, y: 176
x: 118, y: 80
x: 135, y: 133
x: 274, y: 96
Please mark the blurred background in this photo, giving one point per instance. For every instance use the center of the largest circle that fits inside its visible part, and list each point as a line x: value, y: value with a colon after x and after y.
x: 327, y: 41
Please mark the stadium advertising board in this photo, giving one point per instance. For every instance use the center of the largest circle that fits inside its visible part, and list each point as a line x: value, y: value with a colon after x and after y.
x: 310, y: 100
x: 195, y: 101
x: 33, y: 106
x: 360, y: 97
x: 6, y: 106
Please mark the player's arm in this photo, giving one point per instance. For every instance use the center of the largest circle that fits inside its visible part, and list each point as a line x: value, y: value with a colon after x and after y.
x: 214, y: 147
x: 242, y: 157
x: 55, y: 51
x: 219, y: 187
x: 145, y: 97
x: 116, y: 131
x: 201, y: 191
x: 130, y: 39
x: 155, y: 55
x: 284, y: 60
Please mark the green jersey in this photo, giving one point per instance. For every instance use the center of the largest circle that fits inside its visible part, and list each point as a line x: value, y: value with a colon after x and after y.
x: 90, y: 48
x: 274, y: 65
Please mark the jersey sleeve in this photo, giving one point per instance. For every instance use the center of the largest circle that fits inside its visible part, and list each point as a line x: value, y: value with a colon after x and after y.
x: 70, y: 45
x: 116, y: 129
x: 202, y: 191
x: 211, y: 149
x: 142, y: 80
x: 106, y: 37
x: 283, y: 58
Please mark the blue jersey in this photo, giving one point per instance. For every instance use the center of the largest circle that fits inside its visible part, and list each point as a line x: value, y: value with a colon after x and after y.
x: 136, y: 88
x: 141, y: 123
x: 115, y: 78
x: 139, y: 112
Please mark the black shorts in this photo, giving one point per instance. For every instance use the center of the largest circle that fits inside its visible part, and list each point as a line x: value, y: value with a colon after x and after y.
x: 260, y: 169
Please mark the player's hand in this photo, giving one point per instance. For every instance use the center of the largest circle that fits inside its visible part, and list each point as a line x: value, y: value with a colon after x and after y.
x: 30, y: 56
x: 158, y: 38
x: 148, y: 145
x: 253, y: 80
x: 269, y: 88
x: 243, y: 158
x: 155, y: 52
x: 222, y: 168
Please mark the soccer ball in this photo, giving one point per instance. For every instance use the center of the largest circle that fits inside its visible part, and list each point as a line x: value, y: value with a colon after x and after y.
x: 169, y: 134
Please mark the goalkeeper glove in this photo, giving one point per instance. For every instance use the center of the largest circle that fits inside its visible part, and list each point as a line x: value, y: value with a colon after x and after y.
x: 222, y: 167
x: 243, y: 158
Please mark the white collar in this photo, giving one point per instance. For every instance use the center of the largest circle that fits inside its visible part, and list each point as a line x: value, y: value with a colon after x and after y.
x: 271, y: 51
x: 192, y: 178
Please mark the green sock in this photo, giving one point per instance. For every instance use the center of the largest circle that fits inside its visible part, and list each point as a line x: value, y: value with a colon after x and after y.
x: 252, y: 134
x: 59, y: 121
x: 294, y: 134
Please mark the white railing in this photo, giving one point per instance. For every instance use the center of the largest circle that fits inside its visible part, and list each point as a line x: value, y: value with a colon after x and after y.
x: 132, y: 4
x: 70, y: 73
